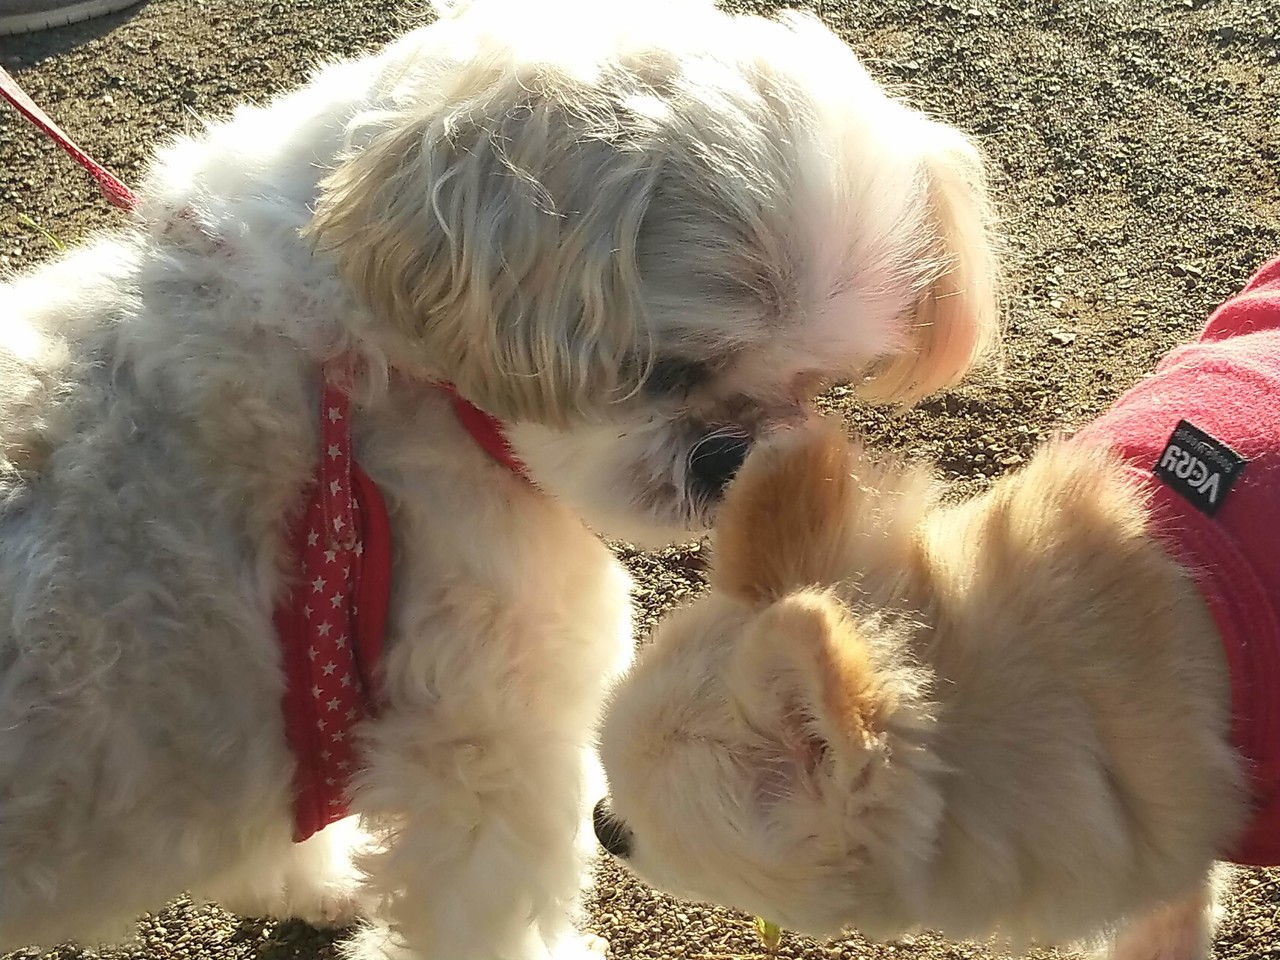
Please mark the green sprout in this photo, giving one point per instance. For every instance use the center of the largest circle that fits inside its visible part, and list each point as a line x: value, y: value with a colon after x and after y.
x: 770, y: 933
x: 30, y: 223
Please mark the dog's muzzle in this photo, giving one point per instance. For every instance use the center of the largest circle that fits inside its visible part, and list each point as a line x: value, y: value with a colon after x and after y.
x: 610, y: 831
x: 715, y: 460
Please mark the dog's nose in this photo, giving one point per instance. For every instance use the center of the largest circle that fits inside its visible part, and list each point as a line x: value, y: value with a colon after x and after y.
x: 610, y: 831
x: 716, y: 458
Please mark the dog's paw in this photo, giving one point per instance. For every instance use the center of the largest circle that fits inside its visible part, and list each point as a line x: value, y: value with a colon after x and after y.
x: 334, y: 908
x: 329, y: 908
x: 1176, y: 931
x: 374, y: 941
x: 583, y: 946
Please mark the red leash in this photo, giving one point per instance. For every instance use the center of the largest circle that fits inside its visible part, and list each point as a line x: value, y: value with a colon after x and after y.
x: 111, y: 187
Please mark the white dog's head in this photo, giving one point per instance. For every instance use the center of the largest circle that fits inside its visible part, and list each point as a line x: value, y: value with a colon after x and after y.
x: 772, y: 748
x: 642, y: 233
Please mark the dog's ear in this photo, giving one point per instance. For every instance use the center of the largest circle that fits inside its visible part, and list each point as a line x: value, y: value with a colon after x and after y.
x: 785, y: 521
x: 803, y: 674
x: 810, y: 507
x: 956, y: 320
x: 498, y: 230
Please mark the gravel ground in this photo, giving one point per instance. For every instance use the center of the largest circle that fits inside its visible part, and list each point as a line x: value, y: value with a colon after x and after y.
x: 1136, y: 156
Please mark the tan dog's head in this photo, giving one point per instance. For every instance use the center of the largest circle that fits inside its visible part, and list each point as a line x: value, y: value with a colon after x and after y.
x: 645, y: 238
x: 769, y: 749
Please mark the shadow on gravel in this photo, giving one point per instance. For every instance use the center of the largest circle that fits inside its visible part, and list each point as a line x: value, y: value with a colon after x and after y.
x: 28, y: 49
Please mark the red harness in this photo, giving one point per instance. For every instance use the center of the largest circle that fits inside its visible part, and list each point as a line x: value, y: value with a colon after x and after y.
x: 332, y: 622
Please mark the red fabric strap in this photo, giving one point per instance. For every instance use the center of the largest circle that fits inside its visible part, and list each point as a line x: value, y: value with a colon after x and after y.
x: 112, y: 188
x: 331, y: 624
x: 485, y: 430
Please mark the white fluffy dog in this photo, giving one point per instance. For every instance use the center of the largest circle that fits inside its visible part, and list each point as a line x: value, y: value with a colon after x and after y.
x: 638, y: 243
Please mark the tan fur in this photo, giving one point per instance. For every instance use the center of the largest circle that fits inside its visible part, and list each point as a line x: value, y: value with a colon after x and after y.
x: 830, y: 657
x: 453, y: 287
x: 955, y: 323
x: 1176, y: 930
x: 773, y: 537
x: 797, y: 515
x: 1054, y: 757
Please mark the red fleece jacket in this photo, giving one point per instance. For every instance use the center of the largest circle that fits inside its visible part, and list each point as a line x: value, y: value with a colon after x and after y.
x: 1221, y: 518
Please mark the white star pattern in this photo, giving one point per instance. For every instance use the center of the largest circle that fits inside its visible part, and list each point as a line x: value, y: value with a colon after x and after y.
x: 328, y: 691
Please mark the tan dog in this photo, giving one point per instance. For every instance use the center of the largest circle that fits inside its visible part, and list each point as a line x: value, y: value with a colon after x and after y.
x: 1045, y: 712
x: 889, y: 713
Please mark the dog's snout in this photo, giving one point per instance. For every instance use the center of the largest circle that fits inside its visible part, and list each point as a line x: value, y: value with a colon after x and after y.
x: 716, y: 458
x: 610, y: 831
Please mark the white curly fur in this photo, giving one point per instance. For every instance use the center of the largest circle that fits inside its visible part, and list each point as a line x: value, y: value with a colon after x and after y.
x: 659, y: 227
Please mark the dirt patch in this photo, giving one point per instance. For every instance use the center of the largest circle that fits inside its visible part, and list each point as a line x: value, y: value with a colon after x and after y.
x: 1136, y: 150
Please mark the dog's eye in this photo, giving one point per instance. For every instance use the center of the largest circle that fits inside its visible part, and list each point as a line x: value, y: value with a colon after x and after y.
x: 670, y: 377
